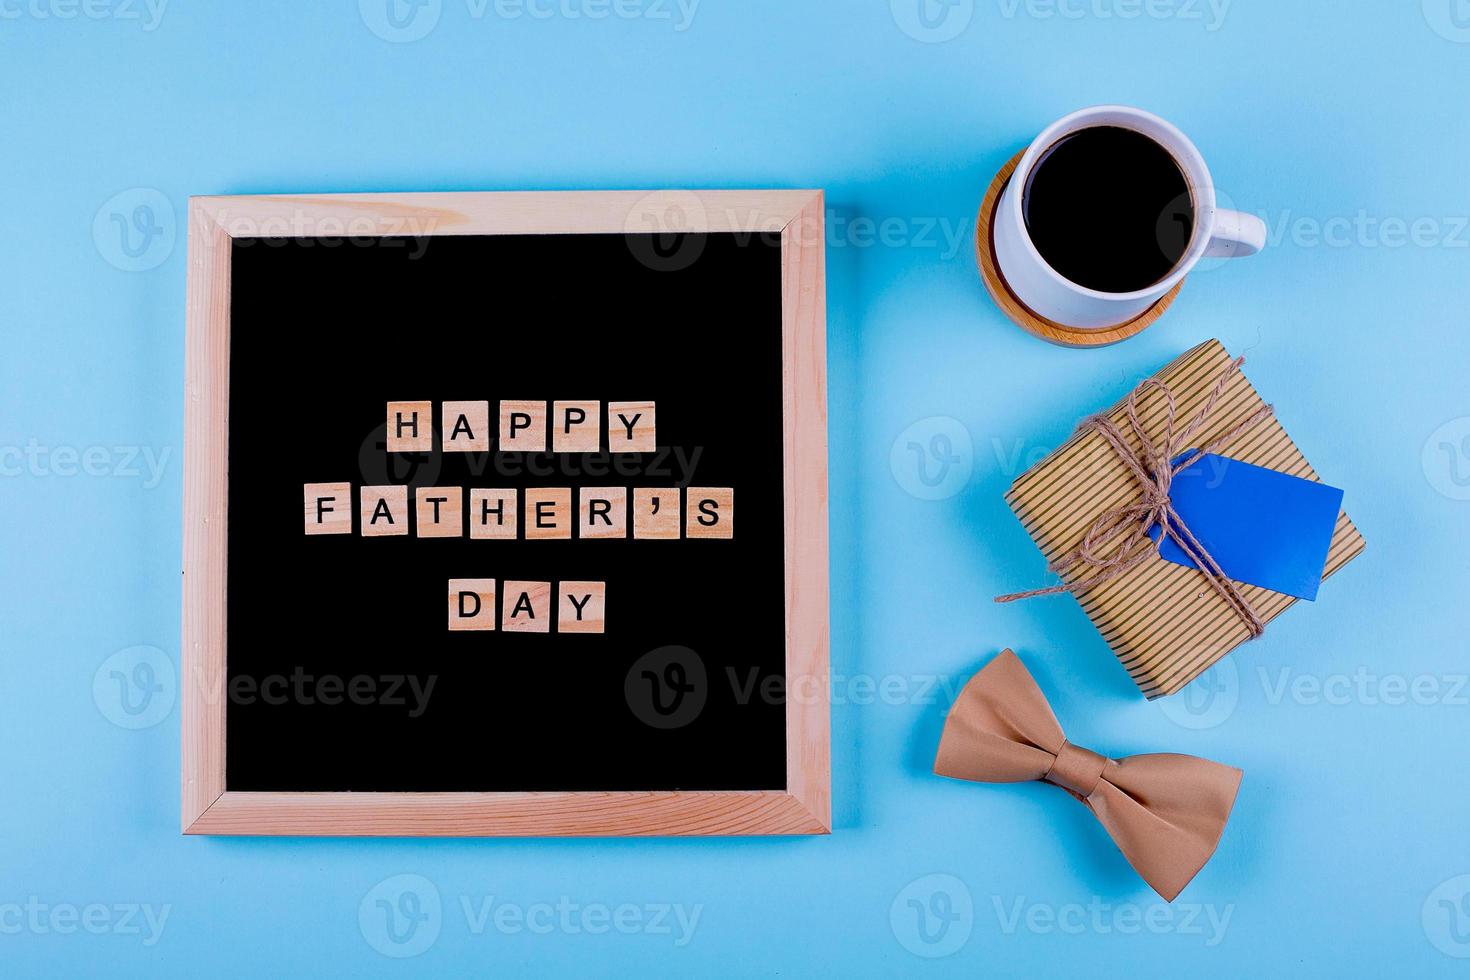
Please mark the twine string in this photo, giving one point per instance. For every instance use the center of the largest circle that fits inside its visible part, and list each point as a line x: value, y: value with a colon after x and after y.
x: 1151, y: 464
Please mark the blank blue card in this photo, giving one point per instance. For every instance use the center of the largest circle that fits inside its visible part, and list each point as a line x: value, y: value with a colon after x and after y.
x: 1263, y: 527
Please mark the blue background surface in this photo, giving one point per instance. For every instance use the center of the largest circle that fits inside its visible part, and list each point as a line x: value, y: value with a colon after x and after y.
x: 1343, y: 124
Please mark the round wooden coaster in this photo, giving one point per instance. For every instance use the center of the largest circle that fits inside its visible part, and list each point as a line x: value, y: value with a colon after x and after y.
x: 1017, y: 312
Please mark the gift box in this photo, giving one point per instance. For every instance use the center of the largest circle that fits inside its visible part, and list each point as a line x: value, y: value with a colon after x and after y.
x: 1164, y: 621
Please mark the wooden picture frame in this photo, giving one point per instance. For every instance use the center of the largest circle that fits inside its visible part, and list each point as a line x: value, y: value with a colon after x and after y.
x: 804, y: 807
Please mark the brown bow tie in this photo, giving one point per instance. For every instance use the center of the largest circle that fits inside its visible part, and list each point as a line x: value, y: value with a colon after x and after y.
x: 1165, y: 812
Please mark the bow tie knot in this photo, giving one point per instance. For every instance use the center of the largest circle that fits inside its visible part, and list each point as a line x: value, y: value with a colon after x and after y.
x: 1077, y: 770
x: 1165, y: 812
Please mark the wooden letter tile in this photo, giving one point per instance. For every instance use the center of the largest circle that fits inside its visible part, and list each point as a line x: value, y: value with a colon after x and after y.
x: 522, y: 427
x: 471, y: 604
x: 576, y: 427
x: 526, y: 607
x: 328, y: 508
x: 711, y: 512
x: 548, y: 513
x: 580, y: 607
x: 466, y: 427
x: 440, y: 512
x: 493, y: 513
x: 604, y: 512
x: 656, y: 512
x: 410, y: 427
x: 383, y: 510
x: 630, y: 427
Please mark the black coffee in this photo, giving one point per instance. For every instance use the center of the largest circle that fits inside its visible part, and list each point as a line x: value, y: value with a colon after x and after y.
x: 1109, y: 209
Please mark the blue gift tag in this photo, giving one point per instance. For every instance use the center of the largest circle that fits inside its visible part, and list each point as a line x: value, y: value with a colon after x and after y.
x: 1263, y: 527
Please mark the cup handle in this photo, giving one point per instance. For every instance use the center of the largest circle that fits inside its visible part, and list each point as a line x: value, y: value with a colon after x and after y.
x: 1236, y: 234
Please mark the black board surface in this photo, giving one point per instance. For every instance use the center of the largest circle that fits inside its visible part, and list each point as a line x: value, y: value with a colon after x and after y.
x: 323, y: 334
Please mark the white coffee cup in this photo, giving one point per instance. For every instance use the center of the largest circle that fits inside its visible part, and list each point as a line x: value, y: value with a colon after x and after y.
x: 1049, y: 294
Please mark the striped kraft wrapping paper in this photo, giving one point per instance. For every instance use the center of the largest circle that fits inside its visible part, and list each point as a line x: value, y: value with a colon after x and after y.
x: 1162, y: 620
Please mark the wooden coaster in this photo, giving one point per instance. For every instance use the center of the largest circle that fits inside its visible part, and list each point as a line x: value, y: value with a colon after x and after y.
x: 1016, y: 311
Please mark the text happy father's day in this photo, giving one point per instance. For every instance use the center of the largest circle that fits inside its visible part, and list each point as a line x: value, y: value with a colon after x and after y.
x: 600, y: 513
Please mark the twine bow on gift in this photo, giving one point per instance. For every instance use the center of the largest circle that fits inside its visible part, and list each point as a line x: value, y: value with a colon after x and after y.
x: 1153, y: 467
x: 1166, y: 812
